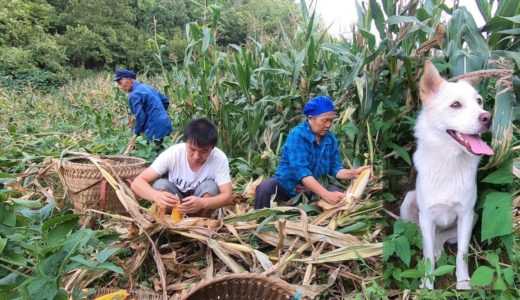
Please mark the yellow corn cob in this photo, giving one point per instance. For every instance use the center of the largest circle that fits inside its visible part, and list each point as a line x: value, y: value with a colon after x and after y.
x: 176, y: 215
x: 118, y: 295
x: 358, y: 187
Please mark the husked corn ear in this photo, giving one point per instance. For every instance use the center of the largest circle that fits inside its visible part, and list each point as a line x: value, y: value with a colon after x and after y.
x: 176, y: 215
x: 118, y: 295
x: 358, y: 187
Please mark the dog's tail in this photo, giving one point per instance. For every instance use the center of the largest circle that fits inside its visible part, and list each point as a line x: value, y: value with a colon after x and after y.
x: 409, y: 209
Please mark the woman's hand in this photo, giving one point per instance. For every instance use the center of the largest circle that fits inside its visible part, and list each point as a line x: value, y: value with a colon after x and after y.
x: 332, y: 197
x: 351, y: 174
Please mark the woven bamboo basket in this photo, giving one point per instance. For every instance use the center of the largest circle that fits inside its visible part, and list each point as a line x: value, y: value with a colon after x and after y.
x: 240, y: 287
x: 87, y: 186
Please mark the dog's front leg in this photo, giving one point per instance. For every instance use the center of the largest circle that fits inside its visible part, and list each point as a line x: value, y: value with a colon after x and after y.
x: 427, y: 225
x: 465, y: 226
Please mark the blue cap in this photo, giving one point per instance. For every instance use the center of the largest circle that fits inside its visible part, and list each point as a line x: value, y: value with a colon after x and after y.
x: 124, y: 73
x: 318, y: 105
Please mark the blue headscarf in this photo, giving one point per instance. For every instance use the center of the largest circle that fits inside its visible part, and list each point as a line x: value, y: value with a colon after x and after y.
x: 318, y: 105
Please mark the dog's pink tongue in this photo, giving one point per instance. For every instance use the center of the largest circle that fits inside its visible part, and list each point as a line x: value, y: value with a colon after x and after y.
x: 477, y: 145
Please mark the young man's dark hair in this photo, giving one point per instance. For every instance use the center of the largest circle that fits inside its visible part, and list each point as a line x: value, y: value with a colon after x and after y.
x: 201, y: 132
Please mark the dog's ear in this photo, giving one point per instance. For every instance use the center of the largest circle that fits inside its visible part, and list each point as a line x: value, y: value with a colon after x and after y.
x: 430, y: 83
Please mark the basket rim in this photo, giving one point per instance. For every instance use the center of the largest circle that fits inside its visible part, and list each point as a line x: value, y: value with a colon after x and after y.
x: 280, y: 284
x: 136, y: 160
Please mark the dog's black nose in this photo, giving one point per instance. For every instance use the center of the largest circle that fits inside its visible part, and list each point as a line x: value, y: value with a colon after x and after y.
x: 485, y: 119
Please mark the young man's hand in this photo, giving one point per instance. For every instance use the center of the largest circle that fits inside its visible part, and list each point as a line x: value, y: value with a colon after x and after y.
x: 166, y: 199
x: 192, y: 204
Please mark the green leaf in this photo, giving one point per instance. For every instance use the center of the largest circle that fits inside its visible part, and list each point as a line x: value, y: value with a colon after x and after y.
x: 515, y: 19
x: 273, y: 71
x: 15, y: 257
x: 506, y: 7
x: 81, y: 259
x: 60, y: 231
x: 27, y: 203
x: 493, y: 259
x: 354, y: 227
x: 392, y: 20
x: 482, y: 276
x: 379, y: 18
x: 50, y: 266
x: 370, y: 38
x: 399, y: 227
x: 514, y: 31
x: 105, y: 254
x: 3, y: 242
x: 42, y: 287
x: 509, y: 275
x: 500, y: 284
x: 401, y: 152
x: 7, y: 216
x: 207, y: 39
x: 485, y: 9
x: 443, y: 270
x: 412, y: 273
x: 388, y: 249
x: 497, y: 216
x: 58, y: 220
x: 503, y: 175
x: 111, y: 267
x: 502, y: 128
x: 402, y: 248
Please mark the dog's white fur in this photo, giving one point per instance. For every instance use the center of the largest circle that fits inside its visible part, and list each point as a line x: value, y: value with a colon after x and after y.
x: 444, y: 199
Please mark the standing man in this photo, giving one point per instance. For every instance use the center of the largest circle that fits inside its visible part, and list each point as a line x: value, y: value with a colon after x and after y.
x: 147, y: 105
x: 198, y: 179
x: 309, y: 152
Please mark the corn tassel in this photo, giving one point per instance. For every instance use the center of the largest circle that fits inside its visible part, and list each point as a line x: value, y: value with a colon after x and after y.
x: 118, y: 295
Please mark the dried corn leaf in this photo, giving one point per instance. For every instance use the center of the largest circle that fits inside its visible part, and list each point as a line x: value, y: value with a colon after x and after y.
x: 225, y: 257
x: 348, y: 253
x: 250, y: 190
x: 263, y: 259
x: 321, y: 234
x: 272, y: 239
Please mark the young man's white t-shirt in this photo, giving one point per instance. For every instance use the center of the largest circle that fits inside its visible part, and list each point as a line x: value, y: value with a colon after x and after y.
x: 174, y: 161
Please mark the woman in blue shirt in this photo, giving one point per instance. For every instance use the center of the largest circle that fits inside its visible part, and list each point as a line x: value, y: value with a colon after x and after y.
x: 309, y: 152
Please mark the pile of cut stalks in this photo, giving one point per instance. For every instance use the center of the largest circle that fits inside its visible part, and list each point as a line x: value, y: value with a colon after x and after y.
x: 315, y: 247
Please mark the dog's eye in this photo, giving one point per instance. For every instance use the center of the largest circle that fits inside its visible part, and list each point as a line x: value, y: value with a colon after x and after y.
x: 479, y: 100
x: 456, y: 105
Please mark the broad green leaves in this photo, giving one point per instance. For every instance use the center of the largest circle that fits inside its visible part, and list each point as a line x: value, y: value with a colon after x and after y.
x: 497, y: 217
x: 482, y: 276
x: 503, y: 175
x: 502, y: 127
x: 497, y: 275
x: 463, y: 59
x: 41, y: 248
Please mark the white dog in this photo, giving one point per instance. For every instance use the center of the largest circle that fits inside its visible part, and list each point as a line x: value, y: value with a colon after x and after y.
x: 448, y: 152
